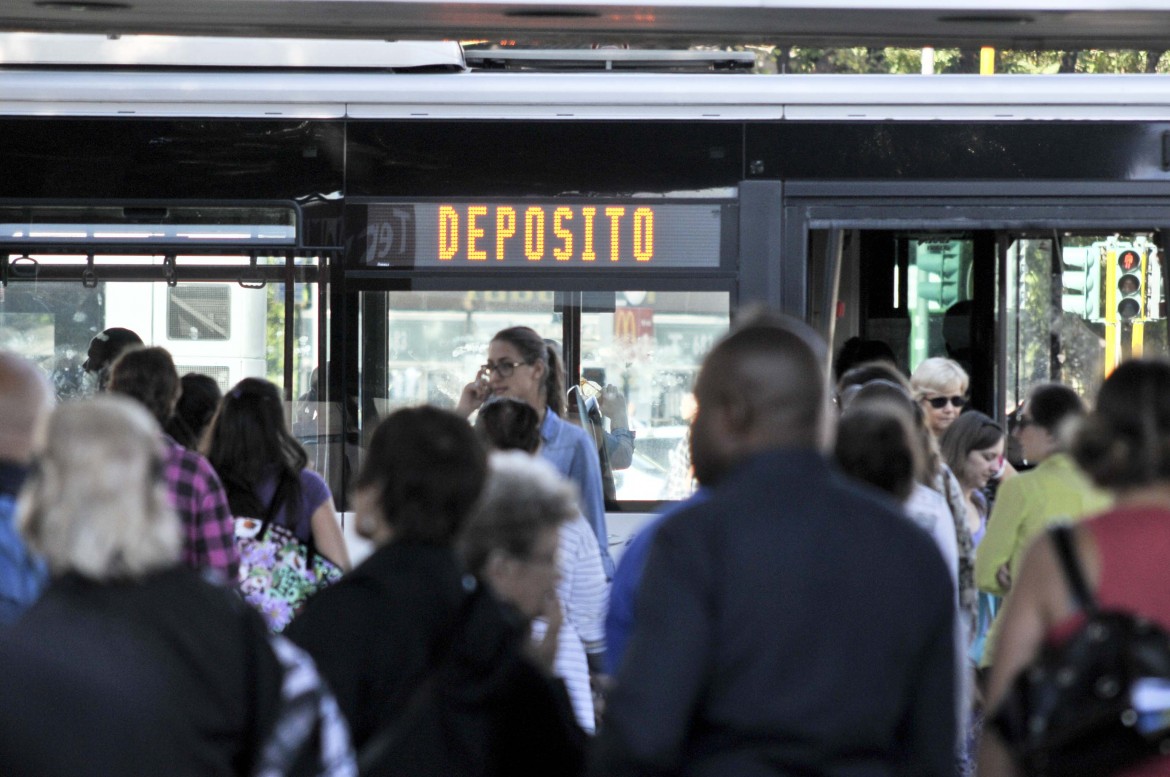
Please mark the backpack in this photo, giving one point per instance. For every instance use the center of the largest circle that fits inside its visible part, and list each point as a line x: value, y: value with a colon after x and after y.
x: 1096, y: 703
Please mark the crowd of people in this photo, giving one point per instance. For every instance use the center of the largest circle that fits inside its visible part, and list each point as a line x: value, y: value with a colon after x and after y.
x: 852, y: 588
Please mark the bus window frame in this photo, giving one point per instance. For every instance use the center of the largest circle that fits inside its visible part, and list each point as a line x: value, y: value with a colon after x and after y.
x: 1015, y: 207
x: 569, y: 287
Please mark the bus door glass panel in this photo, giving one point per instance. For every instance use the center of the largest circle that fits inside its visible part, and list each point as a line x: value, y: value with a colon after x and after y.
x: 938, y: 297
x: 436, y: 341
x: 221, y: 329
x: 51, y: 324
x: 648, y: 345
x: 1077, y: 310
x: 648, y: 348
x: 912, y: 292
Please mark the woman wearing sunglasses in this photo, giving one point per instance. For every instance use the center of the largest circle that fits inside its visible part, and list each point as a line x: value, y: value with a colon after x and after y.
x: 940, y: 387
x: 1056, y: 490
x: 523, y: 366
x: 1122, y: 446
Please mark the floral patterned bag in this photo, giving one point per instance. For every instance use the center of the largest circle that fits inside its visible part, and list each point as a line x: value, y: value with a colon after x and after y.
x: 278, y: 572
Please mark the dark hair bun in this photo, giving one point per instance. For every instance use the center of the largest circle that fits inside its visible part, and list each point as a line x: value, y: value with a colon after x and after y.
x: 1125, y: 441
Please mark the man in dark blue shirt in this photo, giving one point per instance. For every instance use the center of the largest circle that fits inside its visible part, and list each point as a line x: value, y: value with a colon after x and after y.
x: 792, y: 623
x: 623, y: 589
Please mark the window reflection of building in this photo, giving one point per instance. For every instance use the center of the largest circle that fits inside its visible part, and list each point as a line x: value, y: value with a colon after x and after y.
x: 648, y: 344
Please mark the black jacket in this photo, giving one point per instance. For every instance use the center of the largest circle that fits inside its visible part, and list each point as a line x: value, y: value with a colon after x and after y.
x: 164, y: 675
x: 408, y: 614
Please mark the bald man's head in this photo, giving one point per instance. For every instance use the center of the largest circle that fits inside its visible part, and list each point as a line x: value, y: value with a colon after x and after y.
x: 25, y: 399
x: 762, y: 386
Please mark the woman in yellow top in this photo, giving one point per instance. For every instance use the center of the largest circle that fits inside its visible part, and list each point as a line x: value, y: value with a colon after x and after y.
x: 1055, y: 490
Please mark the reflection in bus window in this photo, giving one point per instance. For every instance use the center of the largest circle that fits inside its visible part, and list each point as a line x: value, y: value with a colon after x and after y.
x: 1109, y: 306
x: 646, y: 345
x: 939, y: 292
x: 222, y: 330
x: 649, y: 348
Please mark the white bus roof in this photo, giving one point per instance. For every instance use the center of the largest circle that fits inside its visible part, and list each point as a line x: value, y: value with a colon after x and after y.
x: 563, y: 97
x: 166, y: 51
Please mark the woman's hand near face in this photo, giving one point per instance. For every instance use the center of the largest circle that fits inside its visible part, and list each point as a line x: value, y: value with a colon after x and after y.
x: 474, y: 395
x: 544, y: 650
x: 612, y: 403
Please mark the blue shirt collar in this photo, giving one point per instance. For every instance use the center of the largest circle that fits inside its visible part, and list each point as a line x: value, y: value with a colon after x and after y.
x: 549, y: 426
x: 12, y: 477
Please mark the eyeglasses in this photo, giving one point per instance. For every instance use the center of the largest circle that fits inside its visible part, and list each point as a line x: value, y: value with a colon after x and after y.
x: 590, y: 389
x: 504, y: 368
x: 938, y: 403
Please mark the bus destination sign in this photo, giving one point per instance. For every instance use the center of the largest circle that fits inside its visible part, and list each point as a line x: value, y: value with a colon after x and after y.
x: 476, y: 234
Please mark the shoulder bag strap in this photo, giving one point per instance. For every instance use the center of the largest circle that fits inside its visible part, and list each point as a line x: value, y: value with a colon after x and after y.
x: 270, y: 511
x: 1062, y: 540
x: 270, y: 516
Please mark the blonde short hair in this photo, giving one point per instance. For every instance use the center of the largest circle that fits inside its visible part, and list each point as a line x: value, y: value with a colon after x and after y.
x: 96, y: 503
x: 935, y: 374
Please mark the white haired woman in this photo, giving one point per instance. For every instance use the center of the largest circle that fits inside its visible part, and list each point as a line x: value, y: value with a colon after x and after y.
x: 130, y: 663
x: 511, y: 539
x: 509, y: 424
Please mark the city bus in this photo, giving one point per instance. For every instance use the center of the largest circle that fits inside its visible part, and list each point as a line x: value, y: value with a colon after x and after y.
x: 368, y: 222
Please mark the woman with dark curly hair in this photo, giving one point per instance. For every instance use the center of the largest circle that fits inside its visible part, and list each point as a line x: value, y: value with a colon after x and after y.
x: 522, y: 365
x: 1124, y: 446
x: 265, y: 473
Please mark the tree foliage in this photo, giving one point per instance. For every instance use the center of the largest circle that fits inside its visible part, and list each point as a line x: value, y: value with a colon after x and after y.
x: 779, y: 59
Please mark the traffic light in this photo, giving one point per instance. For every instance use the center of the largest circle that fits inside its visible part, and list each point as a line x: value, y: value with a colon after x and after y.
x: 1131, y: 283
x: 939, y: 265
x: 1081, y: 281
x: 1125, y: 283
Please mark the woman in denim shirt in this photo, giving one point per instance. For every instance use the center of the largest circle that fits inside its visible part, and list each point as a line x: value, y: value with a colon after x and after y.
x: 523, y: 366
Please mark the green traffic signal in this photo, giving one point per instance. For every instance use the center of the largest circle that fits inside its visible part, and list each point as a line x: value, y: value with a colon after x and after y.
x: 939, y: 266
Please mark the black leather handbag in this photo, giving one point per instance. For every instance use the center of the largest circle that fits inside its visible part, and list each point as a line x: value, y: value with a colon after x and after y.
x: 1096, y: 703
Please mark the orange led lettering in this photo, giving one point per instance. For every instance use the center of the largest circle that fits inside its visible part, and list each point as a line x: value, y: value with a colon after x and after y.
x: 565, y: 252
x: 643, y: 234
x: 448, y: 232
x: 505, y: 228
x: 534, y: 234
x: 474, y: 233
x: 615, y: 216
x: 588, y: 254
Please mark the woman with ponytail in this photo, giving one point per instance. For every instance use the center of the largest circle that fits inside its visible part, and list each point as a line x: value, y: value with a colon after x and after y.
x: 523, y: 366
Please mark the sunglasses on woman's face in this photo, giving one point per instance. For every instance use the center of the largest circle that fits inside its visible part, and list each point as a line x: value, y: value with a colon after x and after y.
x: 938, y: 403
